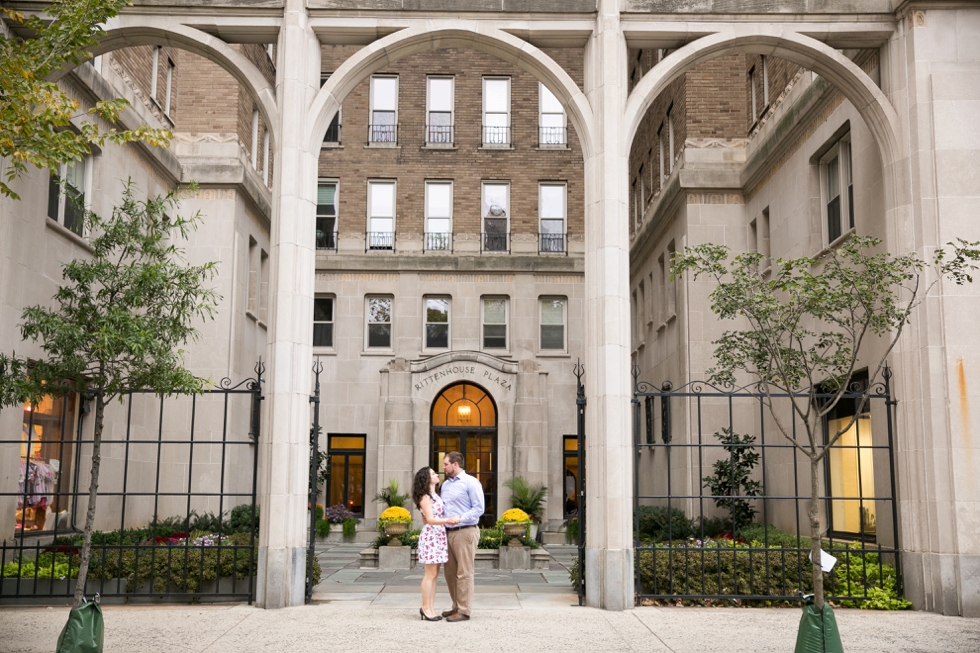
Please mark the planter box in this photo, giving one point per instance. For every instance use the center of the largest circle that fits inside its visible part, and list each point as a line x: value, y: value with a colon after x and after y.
x: 485, y: 558
x: 396, y: 557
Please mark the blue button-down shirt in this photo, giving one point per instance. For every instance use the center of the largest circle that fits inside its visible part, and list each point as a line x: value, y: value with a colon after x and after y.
x: 463, y: 497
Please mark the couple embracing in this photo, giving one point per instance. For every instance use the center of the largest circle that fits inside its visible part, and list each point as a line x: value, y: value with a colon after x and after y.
x: 450, y: 535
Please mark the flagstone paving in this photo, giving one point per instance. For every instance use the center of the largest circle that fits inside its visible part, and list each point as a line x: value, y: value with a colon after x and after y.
x: 343, y: 579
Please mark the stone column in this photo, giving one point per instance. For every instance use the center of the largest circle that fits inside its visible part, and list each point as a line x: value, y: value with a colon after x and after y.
x: 284, y: 442
x: 609, y: 471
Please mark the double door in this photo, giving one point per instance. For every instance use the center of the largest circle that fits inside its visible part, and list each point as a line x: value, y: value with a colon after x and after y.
x: 479, y: 449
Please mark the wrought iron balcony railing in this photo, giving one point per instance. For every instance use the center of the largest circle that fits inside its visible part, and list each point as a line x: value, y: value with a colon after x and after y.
x: 437, y: 241
x: 379, y: 240
x: 552, y: 244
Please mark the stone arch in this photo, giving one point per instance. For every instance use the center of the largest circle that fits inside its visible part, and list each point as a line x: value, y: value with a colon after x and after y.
x: 439, y: 34
x: 854, y: 83
x: 129, y: 31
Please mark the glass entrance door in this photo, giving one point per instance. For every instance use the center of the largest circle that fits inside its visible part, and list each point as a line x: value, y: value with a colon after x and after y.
x: 464, y: 419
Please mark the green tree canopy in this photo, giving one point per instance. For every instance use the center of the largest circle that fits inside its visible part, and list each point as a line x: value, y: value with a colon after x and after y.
x: 36, y: 116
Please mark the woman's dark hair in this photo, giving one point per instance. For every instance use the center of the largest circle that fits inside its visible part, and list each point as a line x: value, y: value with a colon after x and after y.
x: 420, y: 486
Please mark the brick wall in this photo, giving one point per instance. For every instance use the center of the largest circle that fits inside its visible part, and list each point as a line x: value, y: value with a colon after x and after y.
x: 644, y: 163
x: 353, y: 164
x: 779, y: 73
x: 716, y: 99
x: 136, y: 64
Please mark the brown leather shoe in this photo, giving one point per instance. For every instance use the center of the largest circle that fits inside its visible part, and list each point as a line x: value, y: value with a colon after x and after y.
x: 448, y: 613
x: 458, y: 616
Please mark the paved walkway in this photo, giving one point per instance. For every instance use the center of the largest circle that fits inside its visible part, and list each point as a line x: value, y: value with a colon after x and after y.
x: 343, y: 580
x: 371, y: 611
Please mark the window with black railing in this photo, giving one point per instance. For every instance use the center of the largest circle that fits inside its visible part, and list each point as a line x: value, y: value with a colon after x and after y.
x: 552, y: 136
x: 439, y: 134
x: 552, y: 243
x: 381, y: 131
x: 326, y: 215
x: 380, y: 240
x: 495, y: 241
x: 333, y: 131
x: 438, y: 241
x: 496, y: 135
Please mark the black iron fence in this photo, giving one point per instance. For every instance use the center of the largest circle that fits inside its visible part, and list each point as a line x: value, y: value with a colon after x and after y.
x: 176, y: 515
x: 494, y: 242
x: 553, y: 136
x: 722, y: 496
x: 552, y: 244
x: 496, y: 136
x: 438, y: 241
x: 379, y: 240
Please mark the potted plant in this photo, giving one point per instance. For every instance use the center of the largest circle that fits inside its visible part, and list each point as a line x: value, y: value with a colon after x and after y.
x: 394, y: 521
x: 515, y: 523
x: 390, y: 496
x: 529, y: 498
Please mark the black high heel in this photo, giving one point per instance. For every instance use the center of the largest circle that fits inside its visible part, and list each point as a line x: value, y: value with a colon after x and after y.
x: 427, y: 618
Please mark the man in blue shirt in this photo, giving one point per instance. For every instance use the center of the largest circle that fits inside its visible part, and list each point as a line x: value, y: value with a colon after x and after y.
x: 462, y: 496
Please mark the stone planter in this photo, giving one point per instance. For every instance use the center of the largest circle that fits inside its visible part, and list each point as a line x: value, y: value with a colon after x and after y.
x: 514, y: 530
x: 394, y: 530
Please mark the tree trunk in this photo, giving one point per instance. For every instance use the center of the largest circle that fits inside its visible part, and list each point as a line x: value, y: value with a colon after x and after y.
x: 815, y: 550
x: 93, y: 489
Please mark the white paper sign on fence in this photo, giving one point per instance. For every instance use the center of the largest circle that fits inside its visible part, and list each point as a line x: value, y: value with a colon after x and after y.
x: 827, y: 561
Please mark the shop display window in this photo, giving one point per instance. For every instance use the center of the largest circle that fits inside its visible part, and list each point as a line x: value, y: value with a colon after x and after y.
x: 46, y: 458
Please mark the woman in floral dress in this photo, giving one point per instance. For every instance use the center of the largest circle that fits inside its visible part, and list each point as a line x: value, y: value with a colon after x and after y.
x: 433, y: 547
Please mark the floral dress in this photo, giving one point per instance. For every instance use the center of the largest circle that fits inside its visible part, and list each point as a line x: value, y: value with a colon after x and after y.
x: 433, y: 547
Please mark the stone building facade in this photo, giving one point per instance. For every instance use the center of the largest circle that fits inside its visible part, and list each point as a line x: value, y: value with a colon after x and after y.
x: 447, y: 201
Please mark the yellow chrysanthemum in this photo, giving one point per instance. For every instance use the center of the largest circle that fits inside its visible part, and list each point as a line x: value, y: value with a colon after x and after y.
x: 396, y: 513
x: 515, y: 515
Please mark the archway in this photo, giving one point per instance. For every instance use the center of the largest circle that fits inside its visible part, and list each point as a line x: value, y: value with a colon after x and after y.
x: 437, y: 35
x: 853, y: 83
x: 127, y: 31
x: 463, y: 418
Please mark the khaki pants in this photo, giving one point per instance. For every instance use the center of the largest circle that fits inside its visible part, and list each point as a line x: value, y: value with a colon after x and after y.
x: 459, y: 568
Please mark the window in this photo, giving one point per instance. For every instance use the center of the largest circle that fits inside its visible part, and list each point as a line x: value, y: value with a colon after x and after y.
x: 439, y: 216
x: 570, y: 451
x: 551, y: 118
x: 155, y: 73
x: 46, y: 453
x: 265, y: 156
x: 439, y: 127
x: 759, y: 237
x: 379, y: 322
x: 765, y: 82
x: 635, y: 198
x: 850, y: 467
x: 67, y: 200
x: 326, y: 215
x: 838, y: 189
x: 553, y: 323
x: 496, y: 209
x: 384, y: 109
x: 661, y: 156
x: 670, y: 285
x: 255, y: 138
x: 252, y: 305
x: 662, y: 290
x: 333, y: 131
x: 496, y: 111
x: 170, y: 88
x: 323, y: 321
x: 346, y: 484
x: 263, y: 286
x: 753, y: 102
x: 552, y: 209
x: 436, y: 322
x: 381, y: 215
x: 670, y: 140
x: 495, y: 323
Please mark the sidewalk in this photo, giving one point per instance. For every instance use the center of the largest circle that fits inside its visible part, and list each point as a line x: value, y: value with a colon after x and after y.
x: 370, y: 610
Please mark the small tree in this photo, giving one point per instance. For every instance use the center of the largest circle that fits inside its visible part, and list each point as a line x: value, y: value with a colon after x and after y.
x: 527, y: 497
x: 119, y: 320
x: 731, y: 482
x: 35, y: 115
x: 808, y: 328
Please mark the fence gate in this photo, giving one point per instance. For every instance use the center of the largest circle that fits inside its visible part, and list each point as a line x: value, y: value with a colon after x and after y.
x: 176, y: 514
x: 721, y: 495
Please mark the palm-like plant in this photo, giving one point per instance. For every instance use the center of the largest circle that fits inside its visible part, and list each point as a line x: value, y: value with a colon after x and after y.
x: 527, y: 497
x: 390, y: 496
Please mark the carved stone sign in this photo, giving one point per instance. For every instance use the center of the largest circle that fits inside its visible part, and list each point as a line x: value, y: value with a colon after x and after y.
x: 473, y: 372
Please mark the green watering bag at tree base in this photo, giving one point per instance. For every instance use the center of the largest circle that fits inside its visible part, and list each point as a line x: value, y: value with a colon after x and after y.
x: 84, y: 630
x: 818, y: 632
